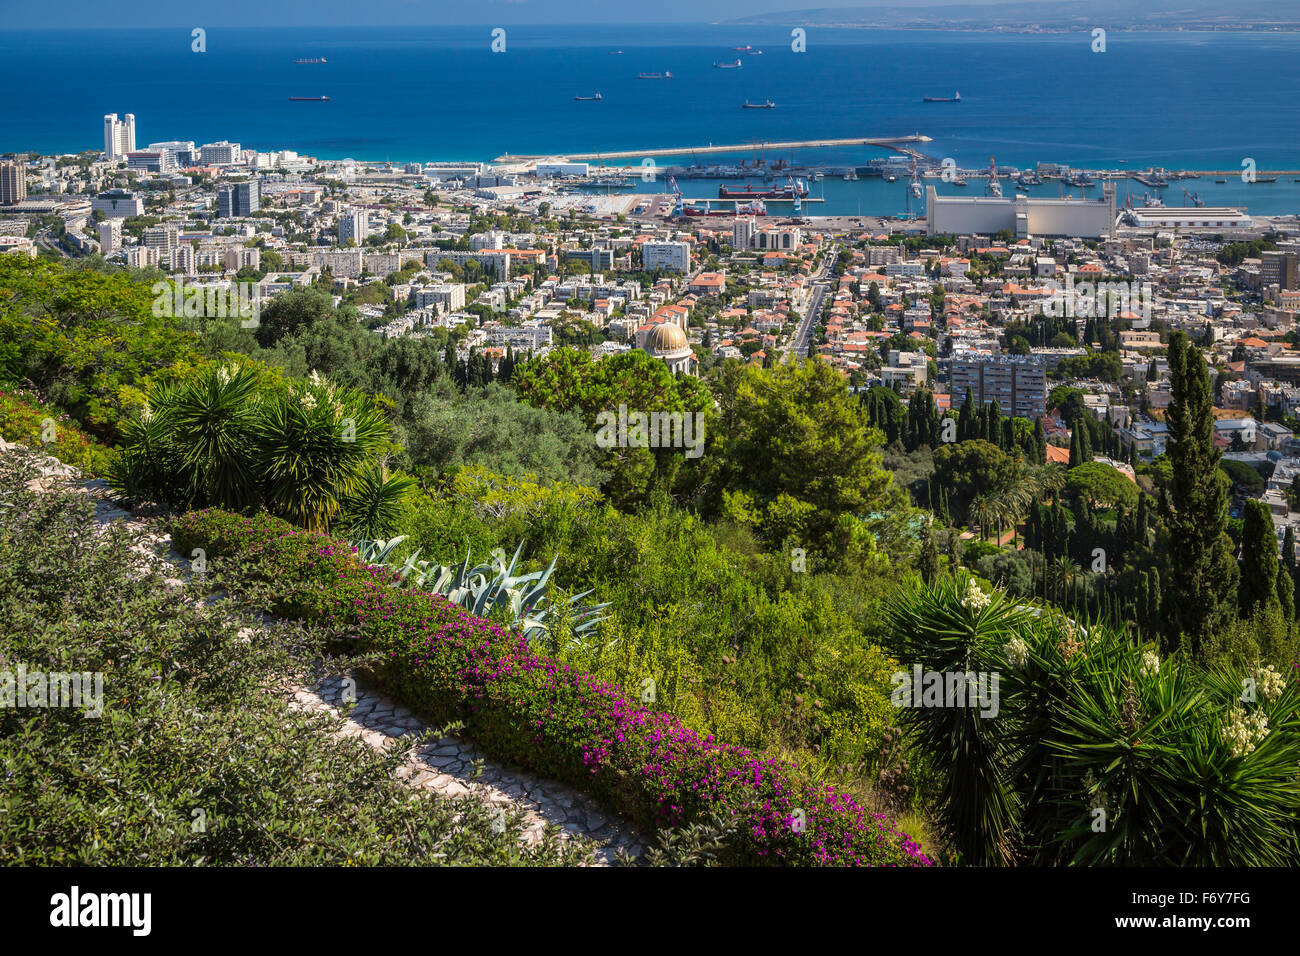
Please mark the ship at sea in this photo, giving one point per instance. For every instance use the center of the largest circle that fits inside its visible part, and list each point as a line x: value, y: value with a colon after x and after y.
x: 309, y: 99
x: 955, y: 98
x: 768, y: 105
x: 727, y: 66
x: 654, y: 76
x: 799, y: 190
x: 742, y: 49
x: 587, y: 99
x: 312, y: 59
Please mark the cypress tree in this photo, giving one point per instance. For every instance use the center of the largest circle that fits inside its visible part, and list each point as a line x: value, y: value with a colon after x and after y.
x: 1040, y: 439
x: 1203, y: 573
x: 1259, y: 564
x: 1285, y: 593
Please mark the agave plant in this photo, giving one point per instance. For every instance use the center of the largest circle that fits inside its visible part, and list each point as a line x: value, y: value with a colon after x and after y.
x: 493, y: 589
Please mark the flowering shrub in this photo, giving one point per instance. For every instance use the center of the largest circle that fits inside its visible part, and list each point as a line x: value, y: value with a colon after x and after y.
x: 539, y: 713
x: 23, y: 419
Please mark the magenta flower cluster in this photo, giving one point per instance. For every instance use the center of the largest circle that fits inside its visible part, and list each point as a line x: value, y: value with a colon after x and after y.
x: 532, y: 710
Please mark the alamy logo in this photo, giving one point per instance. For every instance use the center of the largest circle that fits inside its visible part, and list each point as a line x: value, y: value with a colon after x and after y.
x: 1088, y: 300
x: 233, y: 300
x: 655, y: 430
x: 24, y: 688
x: 946, y: 689
x: 103, y: 909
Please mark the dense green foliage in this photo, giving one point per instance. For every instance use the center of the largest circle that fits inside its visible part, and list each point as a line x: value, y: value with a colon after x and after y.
x: 192, y: 761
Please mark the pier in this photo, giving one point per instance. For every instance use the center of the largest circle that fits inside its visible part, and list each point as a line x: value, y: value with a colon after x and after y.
x: 897, y: 143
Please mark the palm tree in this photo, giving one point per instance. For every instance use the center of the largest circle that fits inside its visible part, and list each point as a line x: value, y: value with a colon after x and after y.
x: 1065, y: 575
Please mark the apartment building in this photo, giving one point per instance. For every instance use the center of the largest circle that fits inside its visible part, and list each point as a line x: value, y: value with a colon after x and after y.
x: 13, y: 184
x: 1018, y: 383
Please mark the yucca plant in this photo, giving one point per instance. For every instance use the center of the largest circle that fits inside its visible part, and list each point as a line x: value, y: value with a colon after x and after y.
x: 1188, y: 773
x: 192, y: 445
x: 315, y: 441
x: 210, y: 420
x: 953, y: 626
x: 377, y: 504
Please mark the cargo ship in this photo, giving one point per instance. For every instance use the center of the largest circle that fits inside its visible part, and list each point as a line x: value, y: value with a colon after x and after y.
x: 309, y: 99
x: 955, y: 98
x: 744, y: 209
x: 313, y: 59
x: 727, y: 66
x: 742, y: 49
x: 587, y: 99
x: 654, y: 76
x: 776, y: 192
x: 768, y: 105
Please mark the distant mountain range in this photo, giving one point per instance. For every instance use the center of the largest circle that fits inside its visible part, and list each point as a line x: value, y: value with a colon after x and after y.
x: 1052, y: 16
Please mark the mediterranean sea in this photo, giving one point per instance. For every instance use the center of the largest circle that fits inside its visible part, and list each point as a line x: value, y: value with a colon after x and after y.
x: 1204, y: 101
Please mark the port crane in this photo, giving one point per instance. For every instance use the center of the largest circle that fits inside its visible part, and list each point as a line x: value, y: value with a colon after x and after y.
x: 1195, y: 198
x: 794, y: 191
x: 993, y: 188
x: 678, y: 211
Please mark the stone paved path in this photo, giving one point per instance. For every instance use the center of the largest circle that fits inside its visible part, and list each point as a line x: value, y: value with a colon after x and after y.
x: 450, y: 767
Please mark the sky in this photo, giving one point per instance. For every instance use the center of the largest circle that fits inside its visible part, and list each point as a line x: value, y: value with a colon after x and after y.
x: 62, y: 14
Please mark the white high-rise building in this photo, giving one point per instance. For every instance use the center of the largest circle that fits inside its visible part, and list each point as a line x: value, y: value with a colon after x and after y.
x: 221, y: 153
x: 675, y: 256
x: 354, y: 225
x: 119, y: 136
x: 741, y: 232
x: 110, y: 236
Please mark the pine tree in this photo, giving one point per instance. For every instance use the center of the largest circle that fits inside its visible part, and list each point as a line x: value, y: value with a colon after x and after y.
x: 1203, y: 572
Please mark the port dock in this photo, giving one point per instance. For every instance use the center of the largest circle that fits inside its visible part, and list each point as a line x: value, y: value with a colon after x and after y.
x: 897, y: 143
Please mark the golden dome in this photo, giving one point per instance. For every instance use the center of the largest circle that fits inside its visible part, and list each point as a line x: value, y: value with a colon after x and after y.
x: 666, y: 338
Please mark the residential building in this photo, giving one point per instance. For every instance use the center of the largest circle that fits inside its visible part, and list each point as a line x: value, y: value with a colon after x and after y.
x: 239, y: 199
x: 1018, y: 383
x: 673, y: 256
x: 13, y: 183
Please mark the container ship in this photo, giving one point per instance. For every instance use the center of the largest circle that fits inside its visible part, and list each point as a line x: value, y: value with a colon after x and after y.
x: 768, y: 105
x: 799, y: 190
x: 955, y: 98
x: 313, y: 59
x: 309, y: 99
x: 654, y: 76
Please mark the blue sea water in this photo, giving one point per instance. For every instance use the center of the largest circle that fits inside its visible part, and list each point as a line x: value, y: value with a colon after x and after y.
x: 1179, y: 100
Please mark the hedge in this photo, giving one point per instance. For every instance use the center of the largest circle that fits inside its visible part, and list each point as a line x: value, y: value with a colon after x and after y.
x: 536, y: 712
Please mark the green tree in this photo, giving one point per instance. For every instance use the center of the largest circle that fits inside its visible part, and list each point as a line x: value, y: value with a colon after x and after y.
x: 1259, y: 564
x: 1203, y: 572
x: 795, y: 431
